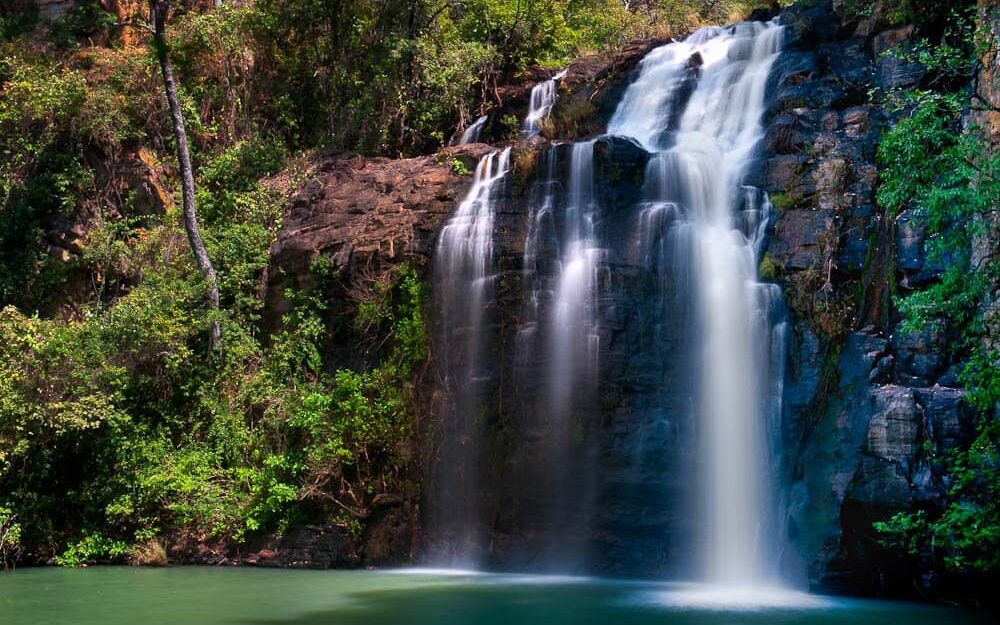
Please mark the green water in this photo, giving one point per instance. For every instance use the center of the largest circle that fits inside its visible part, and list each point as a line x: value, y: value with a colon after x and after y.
x: 217, y: 596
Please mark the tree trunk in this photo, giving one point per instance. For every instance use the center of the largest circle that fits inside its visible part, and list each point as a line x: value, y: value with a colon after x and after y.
x: 158, y: 16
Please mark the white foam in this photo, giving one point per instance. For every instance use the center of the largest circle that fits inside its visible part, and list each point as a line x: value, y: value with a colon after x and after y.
x: 733, y: 598
x: 435, y: 571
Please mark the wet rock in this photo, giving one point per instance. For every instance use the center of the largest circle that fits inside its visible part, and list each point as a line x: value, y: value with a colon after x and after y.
x: 882, y: 371
x: 804, y: 371
x: 857, y: 121
x: 895, y: 428
x: 787, y: 134
x: 619, y: 170
x: 911, y: 253
x: 764, y: 14
x: 306, y: 547
x: 789, y: 175
x: 831, y: 451
x: 855, y: 247
x: 921, y: 355
x: 798, y: 237
x: 807, y: 24
x: 889, y: 39
x: 831, y: 176
x: 881, y: 483
x: 896, y: 73
x: 950, y: 420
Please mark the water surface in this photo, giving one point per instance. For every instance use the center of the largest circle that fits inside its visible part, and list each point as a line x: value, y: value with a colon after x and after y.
x: 243, y: 596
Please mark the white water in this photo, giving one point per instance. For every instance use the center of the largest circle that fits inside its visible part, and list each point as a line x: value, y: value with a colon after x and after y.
x: 543, y: 97
x: 471, y: 134
x: 697, y: 105
x: 559, y: 326
x: 731, y: 598
x: 465, y: 248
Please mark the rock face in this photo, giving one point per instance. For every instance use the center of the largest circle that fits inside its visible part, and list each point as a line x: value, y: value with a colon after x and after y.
x: 868, y: 410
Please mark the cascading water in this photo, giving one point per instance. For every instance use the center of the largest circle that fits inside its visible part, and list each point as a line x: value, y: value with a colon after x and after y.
x: 543, y: 97
x: 471, y: 134
x: 464, y: 275
x: 697, y: 105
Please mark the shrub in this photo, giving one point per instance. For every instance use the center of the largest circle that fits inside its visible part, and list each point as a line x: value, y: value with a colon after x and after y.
x: 150, y: 553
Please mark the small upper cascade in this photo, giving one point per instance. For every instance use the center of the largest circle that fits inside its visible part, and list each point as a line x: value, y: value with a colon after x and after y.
x: 472, y: 133
x: 543, y: 97
x: 466, y: 243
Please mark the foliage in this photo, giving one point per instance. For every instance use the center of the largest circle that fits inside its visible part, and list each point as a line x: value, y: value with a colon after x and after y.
x: 84, y: 20
x: 53, y: 123
x: 111, y: 429
x: 18, y: 23
x: 782, y: 201
x: 92, y: 548
x: 768, y: 269
x: 896, y: 12
x: 459, y: 168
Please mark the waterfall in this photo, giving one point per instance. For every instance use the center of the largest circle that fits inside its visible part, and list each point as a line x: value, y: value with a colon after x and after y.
x: 697, y: 106
x: 543, y: 97
x: 471, y: 134
x: 633, y: 420
x: 463, y: 279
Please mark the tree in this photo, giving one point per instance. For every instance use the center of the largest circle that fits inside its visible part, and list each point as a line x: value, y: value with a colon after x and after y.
x: 158, y: 10
x: 10, y: 537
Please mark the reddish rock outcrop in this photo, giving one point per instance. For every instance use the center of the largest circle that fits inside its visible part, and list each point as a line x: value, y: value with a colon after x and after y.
x: 366, y: 213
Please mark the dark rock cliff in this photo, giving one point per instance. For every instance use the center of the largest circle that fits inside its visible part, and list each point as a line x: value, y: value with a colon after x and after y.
x: 870, y: 409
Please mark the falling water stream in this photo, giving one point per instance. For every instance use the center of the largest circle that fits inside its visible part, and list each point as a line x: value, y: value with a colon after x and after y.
x: 464, y: 273
x: 543, y: 97
x: 472, y: 133
x: 573, y: 337
x: 697, y: 106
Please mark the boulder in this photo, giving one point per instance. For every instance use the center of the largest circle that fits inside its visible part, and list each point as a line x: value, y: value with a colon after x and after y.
x: 796, y: 244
